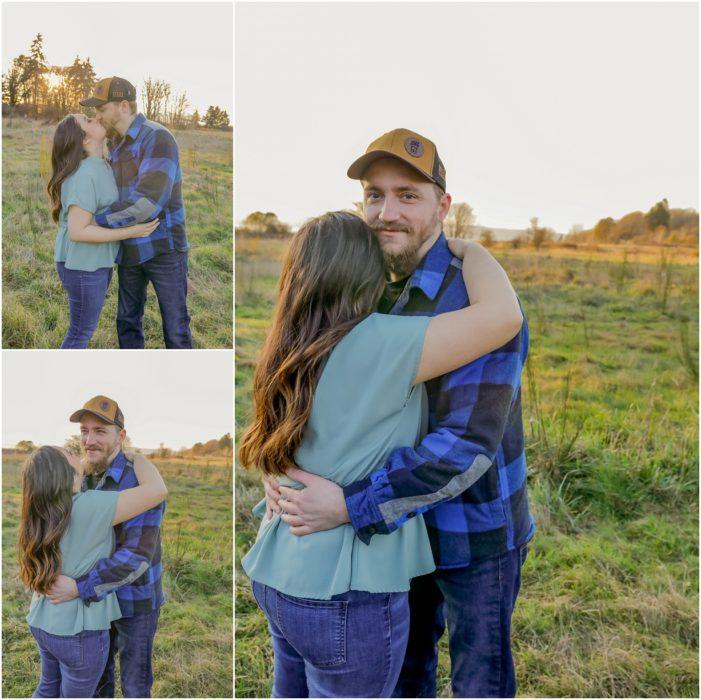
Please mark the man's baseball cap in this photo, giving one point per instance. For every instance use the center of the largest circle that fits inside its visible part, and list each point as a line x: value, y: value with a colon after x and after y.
x: 413, y: 149
x: 104, y: 408
x: 112, y: 89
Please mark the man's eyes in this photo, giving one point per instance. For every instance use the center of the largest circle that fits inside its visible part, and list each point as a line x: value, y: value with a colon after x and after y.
x: 372, y: 195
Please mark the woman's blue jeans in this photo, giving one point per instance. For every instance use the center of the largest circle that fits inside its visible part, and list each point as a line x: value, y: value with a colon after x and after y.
x: 86, y: 296
x: 71, y: 666
x: 350, y: 646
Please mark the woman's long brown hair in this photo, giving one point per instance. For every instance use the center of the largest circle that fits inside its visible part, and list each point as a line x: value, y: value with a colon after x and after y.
x: 66, y: 155
x: 332, y: 278
x: 47, y: 498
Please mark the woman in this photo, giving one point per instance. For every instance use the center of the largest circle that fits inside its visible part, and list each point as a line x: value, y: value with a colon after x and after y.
x: 82, y: 183
x: 337, y: 388
x: 64, y: 530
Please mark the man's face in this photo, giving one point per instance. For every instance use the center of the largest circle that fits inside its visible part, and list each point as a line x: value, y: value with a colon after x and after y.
x: 404, y: 210
x: 99, y: 441
x: 109, y: 115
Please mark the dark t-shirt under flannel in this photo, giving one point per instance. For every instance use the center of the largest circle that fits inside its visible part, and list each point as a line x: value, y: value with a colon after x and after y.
x: 135, y: 570
x: 468, y: 474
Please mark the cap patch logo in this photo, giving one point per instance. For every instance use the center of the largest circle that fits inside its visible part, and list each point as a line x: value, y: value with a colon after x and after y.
x: 414, y: 147
x: 104, y: 405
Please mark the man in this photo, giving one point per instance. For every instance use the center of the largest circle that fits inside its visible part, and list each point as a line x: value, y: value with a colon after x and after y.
x: 134, y: 570
x: 146, y: 165
x: 468, y: 474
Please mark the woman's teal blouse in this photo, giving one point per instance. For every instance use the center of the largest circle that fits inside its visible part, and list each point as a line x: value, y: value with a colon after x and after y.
x: 365, y: 406
x: 88, y: 538
x: 91, y: 187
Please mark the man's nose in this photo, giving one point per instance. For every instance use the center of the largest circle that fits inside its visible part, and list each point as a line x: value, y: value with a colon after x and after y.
x: 390, y: 210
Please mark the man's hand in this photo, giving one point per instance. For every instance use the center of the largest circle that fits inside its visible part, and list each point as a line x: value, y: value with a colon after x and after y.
x: 272, y: 496
x: 318, y: 506
x: 63, y: 590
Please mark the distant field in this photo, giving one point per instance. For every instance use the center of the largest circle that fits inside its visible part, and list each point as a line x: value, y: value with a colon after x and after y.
x: 609, y: 599
x: 35, y: 308
x: 193, y: 646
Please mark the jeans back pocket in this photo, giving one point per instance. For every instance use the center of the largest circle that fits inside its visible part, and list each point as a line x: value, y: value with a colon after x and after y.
x: 315, y: 628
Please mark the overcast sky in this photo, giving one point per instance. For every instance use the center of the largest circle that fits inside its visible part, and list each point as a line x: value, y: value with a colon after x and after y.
x: 189, y: 45
x: 570, y: 112
x: 178, y: 398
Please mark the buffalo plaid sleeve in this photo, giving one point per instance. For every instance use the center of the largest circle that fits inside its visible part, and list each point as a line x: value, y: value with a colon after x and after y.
x: 471, y: 414
x: 151, y: 191
x: 136, y: 546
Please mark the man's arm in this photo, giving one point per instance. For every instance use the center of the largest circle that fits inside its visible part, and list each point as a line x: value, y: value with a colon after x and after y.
x: 134, y: 553
x: 472, y: 410
x: 157, y: 172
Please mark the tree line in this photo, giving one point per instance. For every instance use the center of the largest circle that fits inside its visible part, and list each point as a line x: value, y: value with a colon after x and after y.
x: 659, y: 225
x: 222, y: 446
x: 32, y: 87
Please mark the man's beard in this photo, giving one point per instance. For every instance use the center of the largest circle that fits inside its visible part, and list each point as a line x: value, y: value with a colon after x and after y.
x: 403, y: 262
x: 110, y: 132
x: 99, y: 466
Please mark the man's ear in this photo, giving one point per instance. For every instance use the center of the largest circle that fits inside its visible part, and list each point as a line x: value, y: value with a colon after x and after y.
x: 122, y: 435
x: 444, y: 207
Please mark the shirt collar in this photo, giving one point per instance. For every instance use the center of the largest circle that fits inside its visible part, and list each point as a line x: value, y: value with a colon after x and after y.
x: 116, y: 469
x: 133, y: 130
x: 431, y: 271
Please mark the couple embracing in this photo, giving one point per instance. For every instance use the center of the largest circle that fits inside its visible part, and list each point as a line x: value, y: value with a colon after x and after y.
x: 90, y: 551
x: 387, y: 426
x: 128, y: 211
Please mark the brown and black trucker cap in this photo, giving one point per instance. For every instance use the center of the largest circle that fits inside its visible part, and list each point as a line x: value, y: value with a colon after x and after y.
x: 112, y: 89
x: 415, y: 150
x: 104, y: 408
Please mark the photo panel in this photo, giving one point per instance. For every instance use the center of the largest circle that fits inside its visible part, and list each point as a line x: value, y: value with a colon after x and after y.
x: 392, y: 158
x: 91, y: 442
x: 117, y: 175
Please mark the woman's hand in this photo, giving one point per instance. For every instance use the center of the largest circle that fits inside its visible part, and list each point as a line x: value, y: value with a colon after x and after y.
x: 458, y: 247
x: 141, y: 230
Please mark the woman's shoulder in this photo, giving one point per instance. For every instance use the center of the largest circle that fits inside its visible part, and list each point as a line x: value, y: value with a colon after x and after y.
x: 91, y: 500
x: 88, y: 170
x: 379, y: 334
x: 380, y: 326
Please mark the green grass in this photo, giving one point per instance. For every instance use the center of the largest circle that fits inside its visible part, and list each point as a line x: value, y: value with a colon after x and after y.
x: 609, y: 598
x: 193, y: 647
x: 35, y: 307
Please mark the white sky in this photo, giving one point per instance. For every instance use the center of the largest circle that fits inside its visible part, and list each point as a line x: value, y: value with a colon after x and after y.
x: 189, y: 45
x: 174, y: 397
x: 569, y: 112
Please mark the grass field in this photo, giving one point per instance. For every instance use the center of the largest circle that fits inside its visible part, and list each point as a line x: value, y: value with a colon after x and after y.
x: 609, y: 598
x: 193, y: 646
x: 35, y: 307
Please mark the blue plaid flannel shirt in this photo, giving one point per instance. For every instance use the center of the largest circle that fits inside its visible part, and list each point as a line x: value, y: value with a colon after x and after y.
x: 468, y: 474
x: 134, y: 571
x: 146, y: 166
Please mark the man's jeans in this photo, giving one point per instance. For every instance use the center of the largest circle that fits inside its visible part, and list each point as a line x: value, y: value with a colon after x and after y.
x: 132, y: 639
x: 478, y: 601
x: 351, y: 646
x: 86, y: 296
x: 168, y: 274
x: 71, y: 666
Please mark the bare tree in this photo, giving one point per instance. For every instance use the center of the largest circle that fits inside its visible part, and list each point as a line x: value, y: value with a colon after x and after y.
x: 539, y: 235
x: 460, y: 221
x: 177, y: 117
x: 155, y: 95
